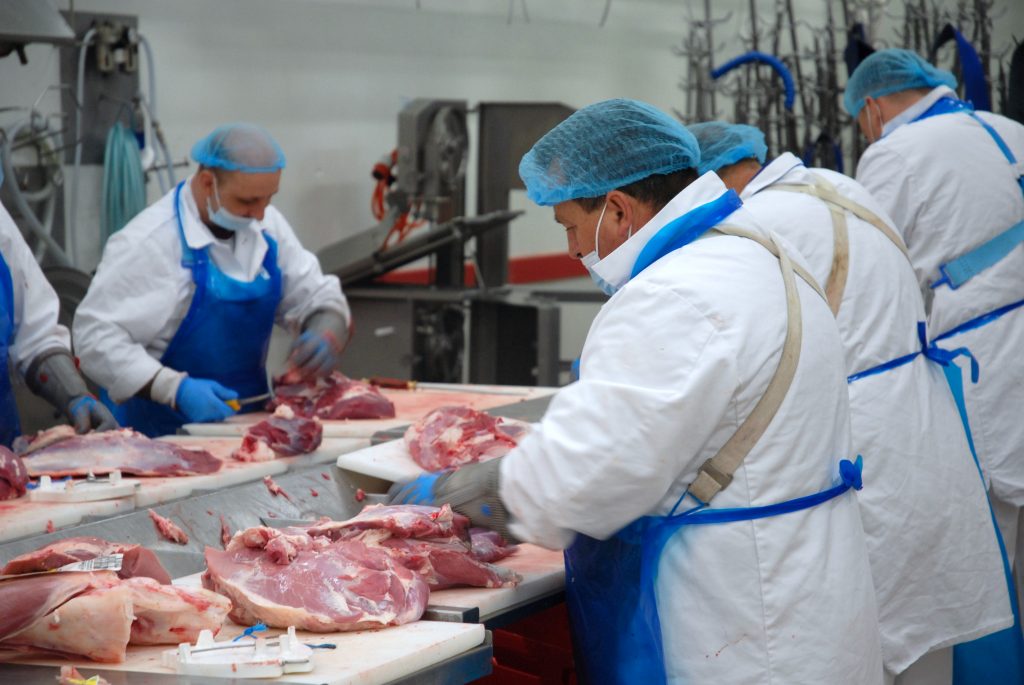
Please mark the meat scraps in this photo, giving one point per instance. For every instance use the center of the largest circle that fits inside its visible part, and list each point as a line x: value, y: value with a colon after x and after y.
x: 274, y: 489
x: 69, y: 675
x: 489, y: 546
x: 401, y: 520
x: 334, y: 397
x: 449, y: 437
x: 13, y: 476
x: 283, y: 434
x: 168, y: 529
x: 138, y: 561
x: 323, y: 587
x: 124, y: 450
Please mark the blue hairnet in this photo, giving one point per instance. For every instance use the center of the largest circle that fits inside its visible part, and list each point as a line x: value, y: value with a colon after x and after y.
x: 605, y: 146
x: 891, y: 71
x: 722, y: 144
x: 239, y: 147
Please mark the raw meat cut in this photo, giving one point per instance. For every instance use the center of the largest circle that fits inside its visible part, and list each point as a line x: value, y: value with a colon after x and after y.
x: 343, y: 586
x: 225, y: 532
x: 125, y: 450
x: 23, y: 601
x: 401, y: 520
x: 275, y: 489
x: 442, y: 562
x: 168, y: 529
x: 170, y: 615
x: 334, y: 397
x: 449, y: 437
x: 284, y: 433
x: 24, y: 444
x: 13, y: 476
x: 138, y: 560
x: 489, y: 546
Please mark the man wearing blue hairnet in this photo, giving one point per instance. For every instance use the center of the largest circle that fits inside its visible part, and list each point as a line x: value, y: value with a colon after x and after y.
x: 698, y: 474
x: 178, y: 318
x: 931, y: 540
x: 950, y: 178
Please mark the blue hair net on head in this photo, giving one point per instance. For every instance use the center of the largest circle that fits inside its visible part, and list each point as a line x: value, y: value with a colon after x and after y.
x: 239, y: 147
x: 891, y: 71
x: 722, y: 144
x: 605, y: 146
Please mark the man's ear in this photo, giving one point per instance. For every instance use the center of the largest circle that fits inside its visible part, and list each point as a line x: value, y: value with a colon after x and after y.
x: 622, y: 209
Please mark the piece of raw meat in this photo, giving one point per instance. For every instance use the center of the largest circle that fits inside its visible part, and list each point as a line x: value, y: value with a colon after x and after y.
x: 274, y: 489
x: 442, y: 562
x: 344, y: 586
x: 168, y: 529
x: 489, y: 546
x: 334, y: 397
x: 138, y: 560
x: 449, y: 437
x: 13, y: 475
x: 95, y: 624
x: 285, y: 433
x: 124, y: 450
x: 170, y: 615
x: 23, y: 601
x: 25, y: 444
x: 401, y: 520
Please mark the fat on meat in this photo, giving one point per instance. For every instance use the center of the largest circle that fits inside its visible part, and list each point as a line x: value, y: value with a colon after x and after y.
x: 138, y: 560
x: 401, y: 520
x: 13, y: 475
x: 449, y: 437
x: 283, y: 434
x: 168, y: 529
x: 334, y: 397
x: 24, y: 444
x: 124, y: 450
x: 344, y: 586
x: 442, y: 562
x: 170, y: 615
x: 23, y: 601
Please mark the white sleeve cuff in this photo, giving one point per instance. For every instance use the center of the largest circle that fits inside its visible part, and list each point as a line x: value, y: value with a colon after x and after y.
x: 165, y: 386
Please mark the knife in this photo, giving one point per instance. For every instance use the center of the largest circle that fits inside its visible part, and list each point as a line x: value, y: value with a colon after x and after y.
x: 242, y: 401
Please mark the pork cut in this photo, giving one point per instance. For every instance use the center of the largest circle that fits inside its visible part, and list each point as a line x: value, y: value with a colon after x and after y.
x: 24, y: 444
x: 401, y: 520
x: 13, y: 475
x: 489, y: 546
x: 442, y: 562
x: 325, y: 587
x: 124, y: 450
x: 23, y: 601
x: 334, y: 397
x: 449, y: 437
x: 138, y: 561
x: 283, y: 434
x: 170, y: 615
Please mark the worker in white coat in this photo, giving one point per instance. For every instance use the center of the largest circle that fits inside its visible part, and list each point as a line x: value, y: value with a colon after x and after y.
x: 698, y: 474
x: 33, y: 345
x: 177, y: 321
x: 934, y: 554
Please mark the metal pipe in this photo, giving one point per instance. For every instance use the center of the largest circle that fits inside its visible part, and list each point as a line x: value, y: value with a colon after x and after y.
x: 71, y: 234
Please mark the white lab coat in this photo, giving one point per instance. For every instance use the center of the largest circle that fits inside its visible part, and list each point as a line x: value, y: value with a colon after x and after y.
x: 948, y: 189
x: 672, y: 364
x: 141, y: 292
x: 934, y: 557
x: 36, y: 306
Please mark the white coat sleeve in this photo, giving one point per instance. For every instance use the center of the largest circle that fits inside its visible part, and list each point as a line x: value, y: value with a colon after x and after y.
x: 36, y: 306
x: 887, y: 176
x: 305, y: 287
x: 131, y: 299
x: 656, y: 382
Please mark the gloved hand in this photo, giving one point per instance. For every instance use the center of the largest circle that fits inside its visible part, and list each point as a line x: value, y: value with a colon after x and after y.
x: 471, y: 490
x: 202, y: 400
x: 54, y: 377
x: 317, y: 351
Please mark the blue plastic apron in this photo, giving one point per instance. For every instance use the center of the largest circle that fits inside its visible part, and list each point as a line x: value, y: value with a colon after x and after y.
x: 10, y: 427
x: 610, y: 584
x: 223, y: 337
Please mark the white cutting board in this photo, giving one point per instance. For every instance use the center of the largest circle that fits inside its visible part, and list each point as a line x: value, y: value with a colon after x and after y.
x: 389, y: 461
x: 21, y: 517
x: 367, y: 657
x: 409, y: 406
x: 543, y: 572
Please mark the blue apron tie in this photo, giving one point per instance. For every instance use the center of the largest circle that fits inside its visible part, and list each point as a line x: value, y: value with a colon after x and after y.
x: 10, y: 427
x: 224, y: 336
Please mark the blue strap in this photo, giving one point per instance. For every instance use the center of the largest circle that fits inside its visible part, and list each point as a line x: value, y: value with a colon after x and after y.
x: 967, y: 266
x: 685, y: 229
x: 945, y: 105
x: 979, y: 321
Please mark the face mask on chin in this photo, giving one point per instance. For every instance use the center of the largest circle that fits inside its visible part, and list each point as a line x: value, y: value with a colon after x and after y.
x: 222, y: 217
x: 591, y: 259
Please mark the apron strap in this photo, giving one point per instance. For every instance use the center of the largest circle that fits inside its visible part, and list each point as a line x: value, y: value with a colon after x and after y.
x: 716, y: 473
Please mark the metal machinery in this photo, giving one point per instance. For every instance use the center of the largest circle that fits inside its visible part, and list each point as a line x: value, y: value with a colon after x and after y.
x: 467, y: 324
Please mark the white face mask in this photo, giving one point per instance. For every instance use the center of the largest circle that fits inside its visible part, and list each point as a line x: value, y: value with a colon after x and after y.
x: 222, y: 217
x: 590, y: 259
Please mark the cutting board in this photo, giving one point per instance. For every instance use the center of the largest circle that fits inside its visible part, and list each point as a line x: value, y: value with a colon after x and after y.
x: 543, y: 572
x: 19, y: 518
x: 409, y: 406
x: 388, y: 461
x: 366, y: 657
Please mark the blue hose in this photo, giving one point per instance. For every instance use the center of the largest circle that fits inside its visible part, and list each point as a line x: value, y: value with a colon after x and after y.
x: 762, y: 58
x: 124, y: 186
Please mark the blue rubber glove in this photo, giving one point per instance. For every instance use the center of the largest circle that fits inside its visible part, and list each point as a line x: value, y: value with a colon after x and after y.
x: 87, y: 414
x: 418, y: 491
x: 202, y: 401
x: 317, y: 351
